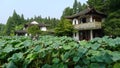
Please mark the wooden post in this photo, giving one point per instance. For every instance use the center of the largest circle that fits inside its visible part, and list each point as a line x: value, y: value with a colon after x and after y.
x: 91, y: 19
x: 91, y: 34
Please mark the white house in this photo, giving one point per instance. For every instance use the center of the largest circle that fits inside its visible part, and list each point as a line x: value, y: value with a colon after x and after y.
x: 87, y: 23
x: 42, y: 27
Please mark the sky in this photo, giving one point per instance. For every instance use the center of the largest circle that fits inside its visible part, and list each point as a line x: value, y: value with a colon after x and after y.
x: 31, y: 8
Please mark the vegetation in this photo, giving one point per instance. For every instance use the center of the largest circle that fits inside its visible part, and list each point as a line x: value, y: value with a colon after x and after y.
x: 59, y: 52
x: 2, y: 26
x: 13, y: 22
x: 112, y: 24
x: 64, y: 28
x: 101, y: 5
x: 16, y: 22
x: 77, y: 7
x: 33, y: 30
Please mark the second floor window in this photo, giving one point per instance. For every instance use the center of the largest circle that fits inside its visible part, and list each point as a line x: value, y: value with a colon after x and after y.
x: 84, y: 20
x: 75, y: 22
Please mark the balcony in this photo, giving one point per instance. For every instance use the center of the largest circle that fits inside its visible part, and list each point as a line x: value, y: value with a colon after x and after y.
x: 88, y: 26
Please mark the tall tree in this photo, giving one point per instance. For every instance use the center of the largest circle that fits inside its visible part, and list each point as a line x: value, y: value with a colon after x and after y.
x: 2, y: 26
x: 75, y: 7
x: 112, y: 24
x: 67, y: 12
x: 16, y: 18
x: 84, y: 6
x: 23, y: 21
x: 9, y: 26
x: 101, y: 5
x: 79, y: 7
x: 114, y: 5
x: 12, y: 22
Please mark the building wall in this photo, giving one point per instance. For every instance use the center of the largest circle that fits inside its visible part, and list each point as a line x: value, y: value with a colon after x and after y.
x: 75, y: 21
x: 76, y: 35
x: 91, y: 32
x: 43, y: 29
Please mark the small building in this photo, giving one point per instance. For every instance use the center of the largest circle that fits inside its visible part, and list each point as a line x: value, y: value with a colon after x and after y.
x: 88, y: 24
x: 23, y: 32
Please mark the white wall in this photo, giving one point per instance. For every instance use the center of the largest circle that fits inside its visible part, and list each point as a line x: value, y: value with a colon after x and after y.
x: 76, y: 36
x: 103, y: 19
x: 26, y: 34
x: 75, y: 21
x: 43, y: 29
x: 91, y: 18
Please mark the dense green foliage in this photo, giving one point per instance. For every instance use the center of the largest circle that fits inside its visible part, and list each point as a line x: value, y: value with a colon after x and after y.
x: 12, y: 22
x: 59, y: 52
x: 112, y: 24
x: 2, y: 26
x: 101, y: 5
x: 77, y: 7
x: 16, y: 22
x: 106, y: 6
x: 64, y: 28
x: 33, y: 30
x: 113, y: 4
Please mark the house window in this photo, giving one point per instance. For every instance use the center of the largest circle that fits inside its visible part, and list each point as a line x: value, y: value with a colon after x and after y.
x: 75, y: 22
x: 75, y: 34
x: 83, y: 20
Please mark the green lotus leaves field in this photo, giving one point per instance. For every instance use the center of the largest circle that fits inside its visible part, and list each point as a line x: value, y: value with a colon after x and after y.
x: 59, y: 52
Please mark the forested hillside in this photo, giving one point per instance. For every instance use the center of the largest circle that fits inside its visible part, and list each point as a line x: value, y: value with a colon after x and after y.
x: 16, y: 22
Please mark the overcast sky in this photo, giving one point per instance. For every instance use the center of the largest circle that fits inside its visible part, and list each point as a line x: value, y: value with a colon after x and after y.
x: 30, y: 8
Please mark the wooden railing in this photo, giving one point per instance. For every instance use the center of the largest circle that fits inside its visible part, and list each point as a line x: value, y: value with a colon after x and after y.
x: 87, y: 26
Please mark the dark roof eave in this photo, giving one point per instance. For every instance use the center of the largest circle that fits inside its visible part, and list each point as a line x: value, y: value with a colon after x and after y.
x: 71, y: 17
x: 86, y: 11
x: 40, y: 25
x: 20, y: 31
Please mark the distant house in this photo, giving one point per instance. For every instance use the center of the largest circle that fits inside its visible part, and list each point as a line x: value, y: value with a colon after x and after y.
x: 88, y: 24
x: 42, y: 27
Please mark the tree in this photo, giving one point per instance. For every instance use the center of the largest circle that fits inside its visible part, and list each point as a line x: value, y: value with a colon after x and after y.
x: 16, y: 18
x: 64, y: 28
x: 84, y: 6
x: 2, y: 26
x: 9, y: 28
x: 101, y: 5
x: 22, y: 20
x: 67, y: 12
x: 112, y: 24
x: 75, y: 6
x: 33, y: 30
x: 114, y: 5
x: 14, y: 21
x: 79, y: 7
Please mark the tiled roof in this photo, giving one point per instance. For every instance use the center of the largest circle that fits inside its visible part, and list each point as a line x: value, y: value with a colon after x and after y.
x: 35, y: 23
x: 84, y: 12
